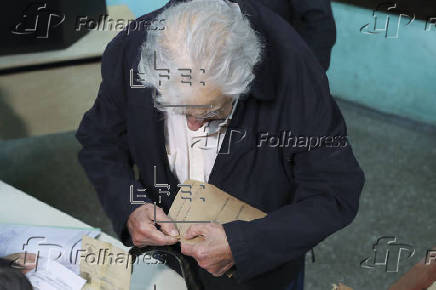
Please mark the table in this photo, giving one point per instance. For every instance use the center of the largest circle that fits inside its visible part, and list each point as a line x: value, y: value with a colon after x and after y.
x: 17, y: 207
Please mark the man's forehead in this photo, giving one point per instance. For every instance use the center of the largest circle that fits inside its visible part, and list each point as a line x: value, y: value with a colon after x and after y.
x: 196, y: 95
x: 207, y: 95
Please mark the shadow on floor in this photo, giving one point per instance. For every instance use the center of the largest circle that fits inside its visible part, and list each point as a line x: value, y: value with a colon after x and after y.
x: 47, y: 168
x: 11, y: 125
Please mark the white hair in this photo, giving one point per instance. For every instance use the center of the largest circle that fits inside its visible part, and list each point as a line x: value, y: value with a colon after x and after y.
x: 210, y: 37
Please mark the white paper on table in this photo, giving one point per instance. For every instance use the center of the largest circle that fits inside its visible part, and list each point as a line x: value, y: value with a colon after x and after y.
x: 55, y: 276
x: 53, y: 243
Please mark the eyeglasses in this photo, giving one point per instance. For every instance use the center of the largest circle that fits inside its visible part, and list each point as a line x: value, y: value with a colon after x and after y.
x: 217, y: 114
x: 218, y: 127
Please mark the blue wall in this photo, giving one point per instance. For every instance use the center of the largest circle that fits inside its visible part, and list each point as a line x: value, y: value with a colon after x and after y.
x: 394, y: 75
x: 139, y: 7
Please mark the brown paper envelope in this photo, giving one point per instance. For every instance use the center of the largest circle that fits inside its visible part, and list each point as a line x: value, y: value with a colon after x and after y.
x: 206, y: 202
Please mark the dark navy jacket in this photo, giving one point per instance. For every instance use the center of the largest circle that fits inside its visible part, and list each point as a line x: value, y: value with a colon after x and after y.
x: 313, y: 20
x: 308, y: 193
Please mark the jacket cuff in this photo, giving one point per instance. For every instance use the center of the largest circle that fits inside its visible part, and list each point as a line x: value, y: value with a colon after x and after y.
x: 239, y: 247
x: 122, y: 229
x: 120, y: 224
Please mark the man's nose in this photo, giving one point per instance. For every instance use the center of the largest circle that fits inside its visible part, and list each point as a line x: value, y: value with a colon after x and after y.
x: 193, y: 123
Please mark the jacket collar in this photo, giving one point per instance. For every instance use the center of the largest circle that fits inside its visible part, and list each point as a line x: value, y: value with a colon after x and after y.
x: 262, y: 87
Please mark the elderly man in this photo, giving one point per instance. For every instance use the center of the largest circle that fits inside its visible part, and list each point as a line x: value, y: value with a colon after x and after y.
x: 230, y: 95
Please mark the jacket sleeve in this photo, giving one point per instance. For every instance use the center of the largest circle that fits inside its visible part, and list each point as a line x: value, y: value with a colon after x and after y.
x: 328, y: 183
x: 314, y: 21
x: 103, y: 134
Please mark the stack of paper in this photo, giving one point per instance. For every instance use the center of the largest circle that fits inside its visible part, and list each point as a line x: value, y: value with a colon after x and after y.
x: 57, y: 250
x: 104, y: 266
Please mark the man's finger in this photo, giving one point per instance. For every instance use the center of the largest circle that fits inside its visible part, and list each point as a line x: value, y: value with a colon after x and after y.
x: 160, y: 239
x: 141, y: 234
x: 166, y: 227
x: 187, y: 249
x: 148, y: 235
x: 195, y: 230
x: 222, y: 271
x: 26, y: 261
x: 156, y: 214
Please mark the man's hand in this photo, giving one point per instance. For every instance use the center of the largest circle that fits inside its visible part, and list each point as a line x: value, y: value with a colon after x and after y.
x: 143, y: 230
x: 213, y: 254
x: 23, y: 261
x: 420, y: 276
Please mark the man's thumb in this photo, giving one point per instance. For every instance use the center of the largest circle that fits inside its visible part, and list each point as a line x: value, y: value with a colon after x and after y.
x: 167, y: 226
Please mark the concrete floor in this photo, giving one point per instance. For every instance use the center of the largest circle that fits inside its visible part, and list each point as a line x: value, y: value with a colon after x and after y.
x: 399, y: 160
x: 398, y: 157
x: 46, y: 101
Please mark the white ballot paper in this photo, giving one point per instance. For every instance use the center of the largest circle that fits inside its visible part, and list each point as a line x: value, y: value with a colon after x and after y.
x: 55, y: 276
x: 53, y: 243
x: 57, y: 250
